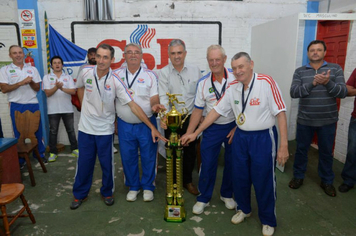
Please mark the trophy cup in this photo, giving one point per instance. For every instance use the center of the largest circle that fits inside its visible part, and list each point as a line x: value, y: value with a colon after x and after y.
x: 174, y: 211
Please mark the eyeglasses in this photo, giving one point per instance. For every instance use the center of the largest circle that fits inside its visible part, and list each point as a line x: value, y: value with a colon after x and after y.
x: 133, y: 53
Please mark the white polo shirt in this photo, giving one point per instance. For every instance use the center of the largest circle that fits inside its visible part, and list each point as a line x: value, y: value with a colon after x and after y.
x: 142, y: 89
x: 174, y: 82
x: 60, y: 102
x: 206, y: 98
x: 12, y: 74
x: 98, y: 109
x: 264, y: 103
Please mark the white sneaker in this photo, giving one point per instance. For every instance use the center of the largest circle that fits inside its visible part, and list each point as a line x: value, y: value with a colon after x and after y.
x: 267, y: 230
x: 239, y: 217
x: 198, y: 208
x: 229, y: 203
x: 132, y: 195
x: 148, y: 195
x: 115, y: 150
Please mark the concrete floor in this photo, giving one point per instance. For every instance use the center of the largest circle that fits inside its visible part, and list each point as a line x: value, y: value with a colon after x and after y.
x: 306, y: 211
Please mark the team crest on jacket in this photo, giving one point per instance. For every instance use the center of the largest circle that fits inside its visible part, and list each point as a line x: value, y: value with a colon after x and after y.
x: 255, y: 102
x: 65, y: 80
x: 89, y: 81
x: 107, y: 87
x: 29, y: 72
x: 51, y: 78
x: 236, y: 102
x: 140, y: 80
x: 12, y: 71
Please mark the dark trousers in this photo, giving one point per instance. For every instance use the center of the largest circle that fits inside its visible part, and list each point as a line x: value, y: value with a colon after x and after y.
x: 68, y: 120
x: 189, y: 153
x: 326, y: 136
x: 349, y: 172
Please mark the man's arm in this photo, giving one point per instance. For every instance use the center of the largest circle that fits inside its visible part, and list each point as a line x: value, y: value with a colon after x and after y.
x: 35, y: 86
x: 137, y: 110
x: 163, y: 87
x: 5, y: 88
x: 194, y: 120
x: 209, y: 119
x: 351, y: 91
x: 81, y: 95
x: 335, y: 88
x: 299, y: 89
x: 155, y: 105
x: 282, y: 154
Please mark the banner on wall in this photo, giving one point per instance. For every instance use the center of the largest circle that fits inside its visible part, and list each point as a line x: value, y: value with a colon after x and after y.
x: 73, y: 56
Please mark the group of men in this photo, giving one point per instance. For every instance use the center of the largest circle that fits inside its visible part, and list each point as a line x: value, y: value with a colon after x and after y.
x: 235, y: 108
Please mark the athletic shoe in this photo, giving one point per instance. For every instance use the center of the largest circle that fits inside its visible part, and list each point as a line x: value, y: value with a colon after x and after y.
x: 239, y: 217
x: 52, y: 157
x: 75, y: 152
x: 76, y: 203
x: 109, y: 201
x: 115, y: 150
x: 132, y: 195
x: 267, y: 230
x: 229, y: 203
x: 198, y: 208
x: 148, y: 195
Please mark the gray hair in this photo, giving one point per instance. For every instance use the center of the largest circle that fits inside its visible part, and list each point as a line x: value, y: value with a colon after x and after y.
x: 241, y: 54
x: 133, y: 44
x: 176, y: 42
x: 213, y: 47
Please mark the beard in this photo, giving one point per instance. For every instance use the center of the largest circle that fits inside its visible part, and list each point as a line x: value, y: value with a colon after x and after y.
x: 92, y: 61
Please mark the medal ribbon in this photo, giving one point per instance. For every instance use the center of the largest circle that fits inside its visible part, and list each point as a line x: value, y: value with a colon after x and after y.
x: 96, y: 81
x: 244, y: 103
x: 127, y: 78
x: 217, y: 94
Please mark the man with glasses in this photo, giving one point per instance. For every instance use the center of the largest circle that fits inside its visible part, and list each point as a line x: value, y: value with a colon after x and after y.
x: 209, y: 91
x: 135, y: 136
x: 179, y: 77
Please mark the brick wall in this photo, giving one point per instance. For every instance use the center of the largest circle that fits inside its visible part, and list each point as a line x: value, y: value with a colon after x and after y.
x: 237, y: 18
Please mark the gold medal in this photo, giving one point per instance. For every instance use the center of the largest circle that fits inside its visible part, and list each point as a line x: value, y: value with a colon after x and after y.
x: 241, y: 119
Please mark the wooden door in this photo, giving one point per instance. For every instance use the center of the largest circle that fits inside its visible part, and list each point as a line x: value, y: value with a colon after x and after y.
x: 335, y: 34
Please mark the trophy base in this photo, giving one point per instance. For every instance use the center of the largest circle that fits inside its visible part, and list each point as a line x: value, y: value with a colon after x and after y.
x: 174, y: 213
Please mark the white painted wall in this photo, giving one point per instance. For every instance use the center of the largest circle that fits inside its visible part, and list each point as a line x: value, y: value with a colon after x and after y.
x: 237, y: 18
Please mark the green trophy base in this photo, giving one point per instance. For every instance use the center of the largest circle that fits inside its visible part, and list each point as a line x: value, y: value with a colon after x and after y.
x: 174, y: 213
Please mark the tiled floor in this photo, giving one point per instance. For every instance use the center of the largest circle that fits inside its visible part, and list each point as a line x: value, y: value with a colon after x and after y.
x: 307, y: 211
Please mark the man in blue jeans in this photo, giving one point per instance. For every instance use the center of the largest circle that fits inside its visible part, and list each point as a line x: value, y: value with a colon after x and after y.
x: 59, y: 87
x: 349, y: 172
x: 317, y: 85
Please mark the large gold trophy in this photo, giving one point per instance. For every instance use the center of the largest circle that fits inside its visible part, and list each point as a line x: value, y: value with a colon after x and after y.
x: 175, y: 211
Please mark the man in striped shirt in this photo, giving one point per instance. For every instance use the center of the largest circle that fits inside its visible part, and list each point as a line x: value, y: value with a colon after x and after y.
x: 317, y: 85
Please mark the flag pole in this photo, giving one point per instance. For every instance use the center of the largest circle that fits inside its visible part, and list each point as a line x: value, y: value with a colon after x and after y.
x: 47, y: 44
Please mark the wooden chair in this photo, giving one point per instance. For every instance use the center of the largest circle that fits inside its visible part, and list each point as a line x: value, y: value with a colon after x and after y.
x: 8, y: 194
x: 27, y: 124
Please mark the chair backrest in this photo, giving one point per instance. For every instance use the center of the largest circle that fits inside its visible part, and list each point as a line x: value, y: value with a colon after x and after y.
x: 27, y: 124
